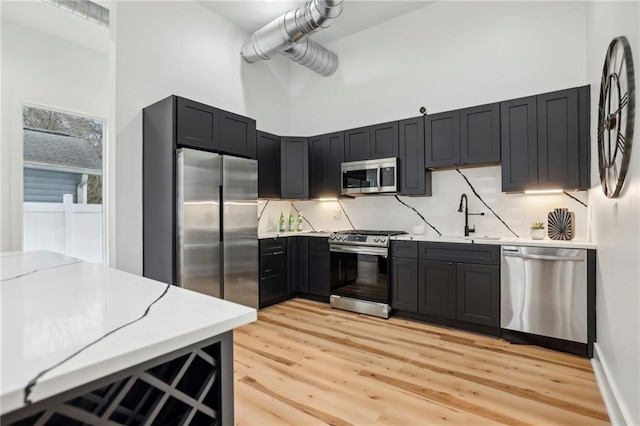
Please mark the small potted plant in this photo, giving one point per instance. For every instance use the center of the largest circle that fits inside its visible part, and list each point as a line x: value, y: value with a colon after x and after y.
x: 537, y: 230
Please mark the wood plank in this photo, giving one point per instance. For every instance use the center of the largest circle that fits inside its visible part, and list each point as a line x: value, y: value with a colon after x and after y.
x: 304, y: 363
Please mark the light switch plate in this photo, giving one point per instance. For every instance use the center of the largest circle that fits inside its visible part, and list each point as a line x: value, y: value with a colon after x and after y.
x: 337, y: 214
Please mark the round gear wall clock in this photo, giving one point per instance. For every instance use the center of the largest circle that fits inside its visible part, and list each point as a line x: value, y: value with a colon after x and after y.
x: 616, y: 110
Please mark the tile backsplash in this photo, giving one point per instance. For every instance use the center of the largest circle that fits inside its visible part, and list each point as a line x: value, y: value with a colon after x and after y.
x: 505, y: 215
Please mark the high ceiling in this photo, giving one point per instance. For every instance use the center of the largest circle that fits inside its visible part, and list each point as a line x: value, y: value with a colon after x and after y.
x: 356, y: 15
x: 48, y: 19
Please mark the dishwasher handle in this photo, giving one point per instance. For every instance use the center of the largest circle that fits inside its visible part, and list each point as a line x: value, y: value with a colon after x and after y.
x: 510, y: 253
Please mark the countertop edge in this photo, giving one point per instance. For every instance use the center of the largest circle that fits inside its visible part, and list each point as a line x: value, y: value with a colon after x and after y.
x: 13, y: 400
x: 576, y: 244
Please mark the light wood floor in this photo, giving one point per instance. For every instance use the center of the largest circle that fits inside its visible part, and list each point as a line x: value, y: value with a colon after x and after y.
x: 302, y: 363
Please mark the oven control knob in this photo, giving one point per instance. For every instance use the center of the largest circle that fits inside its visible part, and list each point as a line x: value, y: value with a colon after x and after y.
x: 376, y: 239
x: 344, y: 238
x: 382, y: 240
x: 332, y: 237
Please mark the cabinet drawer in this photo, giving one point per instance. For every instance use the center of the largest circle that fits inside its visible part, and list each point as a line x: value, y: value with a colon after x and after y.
x: 451, y: 252
x: 273, y: 264
x: 273, y: 245
x: 272, y: 288
x: 406, y: 249
x: 318, y: 244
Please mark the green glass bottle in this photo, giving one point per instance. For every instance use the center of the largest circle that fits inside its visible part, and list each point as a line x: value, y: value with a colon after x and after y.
x: 299, y: 227
x: 281, y: 228
x: 291, y: 222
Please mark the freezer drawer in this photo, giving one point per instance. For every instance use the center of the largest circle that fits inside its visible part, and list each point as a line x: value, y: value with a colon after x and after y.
x: 544, y: 292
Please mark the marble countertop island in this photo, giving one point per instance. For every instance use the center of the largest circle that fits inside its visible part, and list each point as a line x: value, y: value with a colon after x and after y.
x: 67, y: 322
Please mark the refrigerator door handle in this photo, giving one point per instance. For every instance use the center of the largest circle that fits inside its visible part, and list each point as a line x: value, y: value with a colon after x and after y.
x: 180, y: 216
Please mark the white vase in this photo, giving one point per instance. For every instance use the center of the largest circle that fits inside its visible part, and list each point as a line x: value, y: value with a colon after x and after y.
x: 537, y: 234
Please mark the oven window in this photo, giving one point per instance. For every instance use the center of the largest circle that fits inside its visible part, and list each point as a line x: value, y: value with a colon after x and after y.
x: 364, y: 178
x: 360, y: 276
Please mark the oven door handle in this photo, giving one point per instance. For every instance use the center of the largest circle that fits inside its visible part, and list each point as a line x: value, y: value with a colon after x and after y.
x: 374, y: 251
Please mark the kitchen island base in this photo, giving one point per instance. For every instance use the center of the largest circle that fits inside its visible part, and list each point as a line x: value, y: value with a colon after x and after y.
x: 193, y: 385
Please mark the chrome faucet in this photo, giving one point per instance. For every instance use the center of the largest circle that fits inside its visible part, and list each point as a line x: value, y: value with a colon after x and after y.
x: 467, y: 230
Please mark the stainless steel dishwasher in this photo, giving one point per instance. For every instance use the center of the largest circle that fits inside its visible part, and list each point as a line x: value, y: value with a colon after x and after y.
x: 544, y: 292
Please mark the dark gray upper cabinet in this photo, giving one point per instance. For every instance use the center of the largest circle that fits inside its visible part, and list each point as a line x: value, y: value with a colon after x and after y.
x: 463, y: 137
x: 414, y: 178
x: 442, y: 139
x: 545, y: 141
x: 519, y: 134
x: 237, y: 135
x: 558, y: 140
x: 478, y: 294
x: 268, y: 150
x: 384, y: 140
x: 198, y: 125
x: 326, y: 154
x: 357, y: 144
x: 294, y: 165
x: 480, y: 134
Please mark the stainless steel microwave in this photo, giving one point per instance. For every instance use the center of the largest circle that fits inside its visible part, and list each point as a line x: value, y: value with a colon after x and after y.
x: 370, y: 176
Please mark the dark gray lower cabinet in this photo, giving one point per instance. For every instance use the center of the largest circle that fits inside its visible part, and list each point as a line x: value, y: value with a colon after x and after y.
x: 298, y: 264
x: 437, y: 289
x: 273, y: 271
x: 478, y: 288
x: 319, y: 267
x: 404, y: 284
x: 452, y: 284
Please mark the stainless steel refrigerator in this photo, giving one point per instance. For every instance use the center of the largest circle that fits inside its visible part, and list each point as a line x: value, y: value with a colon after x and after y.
x: 217, y: 222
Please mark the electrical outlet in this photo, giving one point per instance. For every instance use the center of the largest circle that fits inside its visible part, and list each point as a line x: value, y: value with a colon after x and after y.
x: 337, y: 214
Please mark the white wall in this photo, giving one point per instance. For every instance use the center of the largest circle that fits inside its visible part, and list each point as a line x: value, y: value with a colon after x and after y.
x: 446, y: 55
x: 181, y: 48
x: 41, y: 69
x: 440, y: 210
x: 615, y: 222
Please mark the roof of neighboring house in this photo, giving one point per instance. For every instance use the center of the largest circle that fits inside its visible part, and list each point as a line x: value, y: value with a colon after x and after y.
x: 49, y: 147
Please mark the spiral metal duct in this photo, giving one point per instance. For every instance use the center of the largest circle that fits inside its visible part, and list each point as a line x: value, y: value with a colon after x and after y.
x: 288, y: 35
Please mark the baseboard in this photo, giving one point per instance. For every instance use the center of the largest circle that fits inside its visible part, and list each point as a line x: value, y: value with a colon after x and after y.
x: 618, y: 413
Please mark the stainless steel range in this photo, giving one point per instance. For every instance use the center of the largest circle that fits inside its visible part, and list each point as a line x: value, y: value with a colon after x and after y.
x: 359, y: 264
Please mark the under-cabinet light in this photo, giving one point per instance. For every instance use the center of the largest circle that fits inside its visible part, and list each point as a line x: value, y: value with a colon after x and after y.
x: 543, y: 191
x: 328, y: 199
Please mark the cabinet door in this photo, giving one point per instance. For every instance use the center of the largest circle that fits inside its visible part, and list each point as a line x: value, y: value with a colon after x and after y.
x: 404, y: 284
x: 384, y: 140
x: 357, y: 144
x: 297, y: 265
x: 294, y: 166
x: 268, y: 149
x: 237, y: 135
x: 442, y: 139
x: 198, y: 125
x: 480, y: 134
x: 336, y: 158
x: 519, y: 140
x: 558, y: 140
x: 318, y: 161
x: 272, y: 289
x: 437, y: 288
x: 319, y: 273
x: 414, y: 178
x: 478, y: 294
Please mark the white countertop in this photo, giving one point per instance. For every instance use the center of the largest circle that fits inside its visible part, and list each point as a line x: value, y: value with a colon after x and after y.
x: 546, y: 242
x: 54, y: 305
x: 266, y: 235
